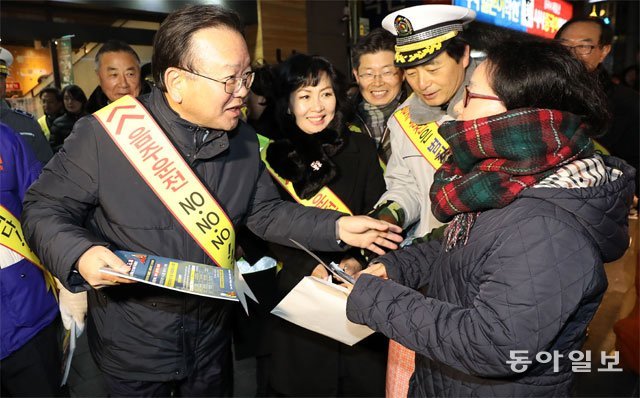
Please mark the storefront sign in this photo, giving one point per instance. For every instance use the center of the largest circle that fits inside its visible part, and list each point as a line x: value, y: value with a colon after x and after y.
x: 537, y: 17
x: 65, y: 60
x: 13, y: 86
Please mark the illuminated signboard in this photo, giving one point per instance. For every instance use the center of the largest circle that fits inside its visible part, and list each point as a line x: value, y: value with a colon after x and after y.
x: 537, y: 17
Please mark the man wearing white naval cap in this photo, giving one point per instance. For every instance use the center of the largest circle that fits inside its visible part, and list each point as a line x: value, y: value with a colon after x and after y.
x: 22, y: 122
x: 435, y: 60
x: 436, y: 64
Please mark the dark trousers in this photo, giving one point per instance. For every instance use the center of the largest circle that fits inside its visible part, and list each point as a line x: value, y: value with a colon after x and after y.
x: 213, y: 378
x: 35, y: 369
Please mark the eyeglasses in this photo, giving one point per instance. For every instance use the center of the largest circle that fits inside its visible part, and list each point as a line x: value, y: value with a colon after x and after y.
x: 581, y: 49
x: 386, y: 75
x: 231, y: 84
x: 468, y: 96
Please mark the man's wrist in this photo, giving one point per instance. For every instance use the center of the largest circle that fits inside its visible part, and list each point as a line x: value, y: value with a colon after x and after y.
x: 389, y: 211
x: 340, y: 242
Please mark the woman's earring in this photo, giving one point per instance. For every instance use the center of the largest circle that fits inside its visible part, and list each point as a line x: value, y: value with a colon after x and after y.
x: 288, y: 111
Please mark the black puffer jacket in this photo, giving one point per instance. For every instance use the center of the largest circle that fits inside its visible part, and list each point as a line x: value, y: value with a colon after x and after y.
x: 61, y: 128
x: 529, y: 278
x: 90, y: 195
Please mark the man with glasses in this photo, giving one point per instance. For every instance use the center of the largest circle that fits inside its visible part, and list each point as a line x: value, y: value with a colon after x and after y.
x: 590, y: 40
x: 93, y: 199
x: 380, y: 88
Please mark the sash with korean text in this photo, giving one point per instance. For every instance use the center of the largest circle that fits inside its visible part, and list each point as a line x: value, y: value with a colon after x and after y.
x: 424, y: 137
x: 324, y: 199
x: 12, y: 238
x: 153, y: 156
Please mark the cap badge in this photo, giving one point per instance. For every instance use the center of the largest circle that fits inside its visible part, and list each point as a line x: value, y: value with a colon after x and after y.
x: 403, y: 26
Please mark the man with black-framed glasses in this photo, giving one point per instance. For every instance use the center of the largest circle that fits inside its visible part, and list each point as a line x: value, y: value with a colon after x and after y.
x: 174, y: 174
x: 590, y: 40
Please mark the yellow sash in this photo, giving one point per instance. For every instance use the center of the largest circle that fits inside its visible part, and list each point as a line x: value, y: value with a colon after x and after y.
x: 324, y: 199
x: 599, y: 148
x: 424, y: 137
x: 150, y: 152
x: 11, y: 237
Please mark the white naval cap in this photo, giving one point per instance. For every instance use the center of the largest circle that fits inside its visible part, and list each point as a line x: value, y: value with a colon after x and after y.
x: 423, y: 32
x: 6, y: 59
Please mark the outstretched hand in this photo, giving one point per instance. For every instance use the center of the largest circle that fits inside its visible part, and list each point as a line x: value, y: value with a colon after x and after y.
x: 98, y: 257
x: 368, y: 233
x: 375, y: 269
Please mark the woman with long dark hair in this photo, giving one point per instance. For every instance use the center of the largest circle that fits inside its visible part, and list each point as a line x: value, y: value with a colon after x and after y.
x: 534, y: 213
x: 321, y: 160
x: 74, y: 101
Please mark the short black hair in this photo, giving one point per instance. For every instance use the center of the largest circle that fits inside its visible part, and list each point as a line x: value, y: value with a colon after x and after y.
x: 51, y: 90
x: 173, y: 41
x: 606, y: 33
x: 263, y: 81
x: 544, y: 74
x: 377, y: 40
x: 456, y: 47
x: 300, y: 70
x: 76, y: 93
x: 115, y: 46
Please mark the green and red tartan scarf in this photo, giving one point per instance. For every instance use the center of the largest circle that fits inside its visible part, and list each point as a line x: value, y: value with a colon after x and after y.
x: 494, y: 158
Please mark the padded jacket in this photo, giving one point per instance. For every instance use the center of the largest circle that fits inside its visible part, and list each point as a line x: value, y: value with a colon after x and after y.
x: 89, y: 194
x: 26, y: 306
x: 530, y: 277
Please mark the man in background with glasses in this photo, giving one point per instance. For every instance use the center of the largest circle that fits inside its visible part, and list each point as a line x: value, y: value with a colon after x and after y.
x: 91, y: 200
x: 380, y: 88
x: 590, y: 41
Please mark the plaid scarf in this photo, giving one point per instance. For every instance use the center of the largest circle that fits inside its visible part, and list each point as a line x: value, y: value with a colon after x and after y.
x: 376, y: 118
x: 494, y: 158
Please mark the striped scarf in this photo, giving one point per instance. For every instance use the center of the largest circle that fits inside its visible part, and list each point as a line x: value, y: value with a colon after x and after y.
x: 376, y: 118
x: 494, y: 158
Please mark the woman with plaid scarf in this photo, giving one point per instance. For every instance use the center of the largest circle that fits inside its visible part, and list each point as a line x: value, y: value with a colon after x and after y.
x: 534, y: 213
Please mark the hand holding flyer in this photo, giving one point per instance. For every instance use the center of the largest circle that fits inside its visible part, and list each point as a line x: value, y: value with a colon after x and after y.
x: 184, y: 276
x: 333, y: 268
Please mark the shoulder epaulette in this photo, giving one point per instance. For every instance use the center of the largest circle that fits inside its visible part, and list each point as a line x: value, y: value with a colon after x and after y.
x: 23, y: 113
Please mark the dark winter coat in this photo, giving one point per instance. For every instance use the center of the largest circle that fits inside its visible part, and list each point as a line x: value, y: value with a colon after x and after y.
x: 61, y: 128
x: 529, y: 278
x: 302, y: 362
x: 25, y: 124
x: 98, y: 99
x: 622, y: 138
x: 26, y: 306
x: 90, y: 195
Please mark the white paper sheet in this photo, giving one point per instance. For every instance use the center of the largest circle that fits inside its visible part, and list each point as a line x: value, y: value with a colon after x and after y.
x: 321, y: 306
